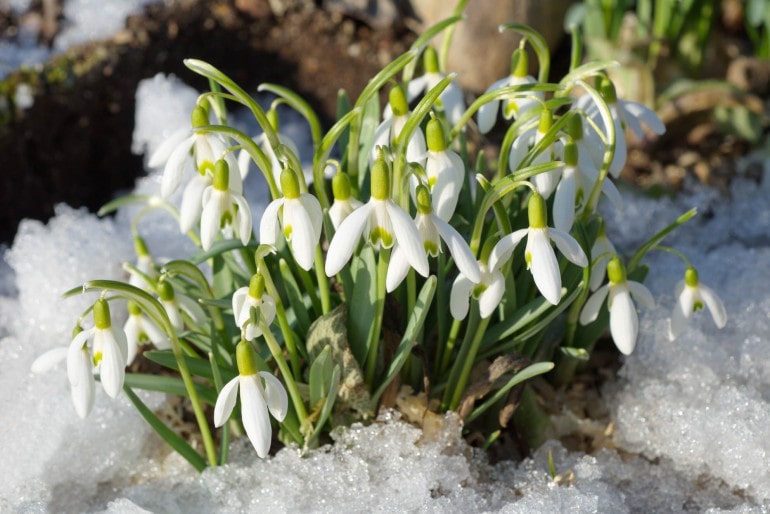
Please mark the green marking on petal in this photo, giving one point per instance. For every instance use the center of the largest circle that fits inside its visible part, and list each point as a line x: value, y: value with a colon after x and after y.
x: 97, y: 358
x: 478, y: 289
x: 431, y: 248
x: 697, y: 306
x: 287, y: 231
x: 381, y: 236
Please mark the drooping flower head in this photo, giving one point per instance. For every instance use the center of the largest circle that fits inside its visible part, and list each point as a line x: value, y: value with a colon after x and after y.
x: 253, y: 297
x: 382, y: 223
x: 139, y: 330
x: 300, y: 216
x: 624, y: 321
x: 224, y: 209
x: 450, y: 101
x: 539, y: 255
x: 390, y: 128
x: 261, y: 393
x: 488, y: 290
x: 445, y: 171
x: 515, y: 105
x: 544, y: 182
x: 180, y: 309
x: 433, y: 230
x: 691, y: 296
x: 102, y: 349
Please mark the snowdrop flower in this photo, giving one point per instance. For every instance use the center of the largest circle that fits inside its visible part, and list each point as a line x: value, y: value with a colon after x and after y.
x: 140, y: 329
x: 601, y: 252
x: 544, y: 182
x: 574, y: 188
x: 260, y: 392
x: 432, y: 230
x: 253, y: 296
x: 178, y: 307
x: 344, y: 203
x: 488, y: 291
x: 515, y: 105
x: 223, y: 208
x: 382, y: 223
x: 625, y: 114
x: 691, y: 296
x: 207, y: 148
x: 539, y: 255
x: 391, y: 127
x: 106, y: 353
x: 145, y: 265
x: 450, y: 100
x: 624, y: 322
x: 300, y: 216
x: 445, y: 171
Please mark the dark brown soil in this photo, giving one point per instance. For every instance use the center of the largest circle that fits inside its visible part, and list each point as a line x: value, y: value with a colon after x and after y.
x: 74, y: 144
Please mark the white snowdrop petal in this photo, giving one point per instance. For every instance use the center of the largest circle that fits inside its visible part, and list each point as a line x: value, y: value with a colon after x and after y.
x: 398, y: 267
x: 610, y: 190
x: 302, y: 237
x: 226, y: 402
x: 243, y: 219
x: 490, y: 298
x: 460, y: 297
x: 408, y: 237
x: 416, y: 87
x: 641, y: 294
x: 487, y: 115
x: 192, y: 202
x: 174, y: 169
x: 268, y: 226
x: 503, y: 249
x: 569, y: 247
x: 381, y: 137
x: 543, y: 265
x: 313, y: 208
x: 715, y: 305
x: 564, y: 201
x: 49, y: 360
x: 624, y: 322
x: 520, y: 148
x: 459, y: 249
x: 192, y: 308
x: 594, y: 304
x: 254, y: 414
x: 112, y: 368
x: 275, y: 395
x: 346, y: 238
x: 210, y: 220
x: 448, y: 170
x: 83, y: 393
x: 678, y: 321
x: 164, y: 151
x: 645, y: 115
x: 75, y: 353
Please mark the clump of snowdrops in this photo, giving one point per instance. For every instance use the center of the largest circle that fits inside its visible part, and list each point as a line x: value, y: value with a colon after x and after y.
x: 406, y: 261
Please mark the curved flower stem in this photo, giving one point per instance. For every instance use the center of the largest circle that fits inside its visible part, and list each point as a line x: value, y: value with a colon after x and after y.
x: 323, y: 281
x: 291, y: 385
x: 467, y: 362
x: 283, y: 322
x: 374, y: 335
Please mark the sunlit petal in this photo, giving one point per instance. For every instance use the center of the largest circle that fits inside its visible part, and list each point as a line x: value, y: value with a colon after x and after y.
x: 408, y: 237
x: 641, y: 294
x: 226, y: 402
x: 594, y: 304
x: 715, y: 305
x: 346, y: 238
x: 397, y: 269
x: 459, y: 249
x: 568, y: 247
x: 504, y: 248
x: 624, y: 322
x: 275, y: 395
x: 268, y: 226
x: 460, y: 297
x: 490, y: 298
x: 543, y: 265
x: 487, y: 115
x: 254, y: 414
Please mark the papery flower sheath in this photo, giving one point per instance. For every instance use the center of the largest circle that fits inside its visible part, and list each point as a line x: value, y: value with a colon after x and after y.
x: 253, y: 296
x: 539, y: 255
x: 382, y: 223
x: 433, y: 230
x: 261, y: 394
x: 515, y: 105
x: 300, y: 216
x: 223, y: 209
x: 624, y: 321
x: 691, y: 296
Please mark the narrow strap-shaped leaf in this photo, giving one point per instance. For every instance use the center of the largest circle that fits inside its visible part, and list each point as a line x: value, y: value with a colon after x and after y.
x: 172, y: 438
x: 295, y: 299
x: 416, y: 322
x: 169, y: 385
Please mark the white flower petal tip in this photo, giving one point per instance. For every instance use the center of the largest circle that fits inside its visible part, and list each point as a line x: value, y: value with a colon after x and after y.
x: 226, y: 402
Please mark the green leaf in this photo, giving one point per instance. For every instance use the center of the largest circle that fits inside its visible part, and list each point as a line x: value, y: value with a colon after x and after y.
x: 189, y: 270
x: 326, y: 410
x: 169, y: 385
x: 362, y: 303
x: 370, y: 119
x: 298, y: 104
x: 218, y: 248
x: 580, y: 354
x: 657, y: 238
x: 320, y: 377
x: 530, y: 371
x: 413, y: 328
x: 198, y: 367
x: 172, y: 438
x: 296, y: 302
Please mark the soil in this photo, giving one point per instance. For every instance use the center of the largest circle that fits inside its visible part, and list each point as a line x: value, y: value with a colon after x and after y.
x: 73, y: 145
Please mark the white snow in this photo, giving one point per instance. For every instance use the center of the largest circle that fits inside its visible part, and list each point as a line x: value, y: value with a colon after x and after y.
x: 691, y: 416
